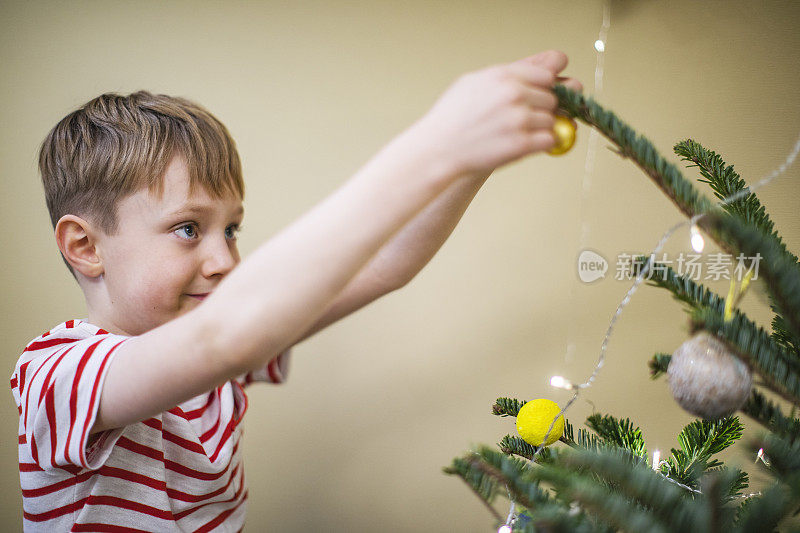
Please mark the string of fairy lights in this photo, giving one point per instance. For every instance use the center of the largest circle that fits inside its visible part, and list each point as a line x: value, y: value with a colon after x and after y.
x: 696, y: 241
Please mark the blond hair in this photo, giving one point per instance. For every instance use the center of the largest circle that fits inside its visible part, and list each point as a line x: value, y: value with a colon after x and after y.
x: 115, y: 145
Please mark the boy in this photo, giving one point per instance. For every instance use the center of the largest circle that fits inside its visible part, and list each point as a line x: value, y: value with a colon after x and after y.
x: 129, y: 419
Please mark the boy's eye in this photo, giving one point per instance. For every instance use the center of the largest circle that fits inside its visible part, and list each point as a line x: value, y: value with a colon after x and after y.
x: 187, y: 231
x: 232, y: 231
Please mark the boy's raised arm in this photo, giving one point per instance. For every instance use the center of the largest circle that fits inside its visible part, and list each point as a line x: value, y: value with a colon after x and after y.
x: 484, y: 120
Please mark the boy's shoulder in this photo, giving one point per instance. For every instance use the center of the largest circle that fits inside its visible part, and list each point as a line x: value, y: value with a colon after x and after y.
x: 76, y: 328
x: 56, y: 385
x: 63, y: 337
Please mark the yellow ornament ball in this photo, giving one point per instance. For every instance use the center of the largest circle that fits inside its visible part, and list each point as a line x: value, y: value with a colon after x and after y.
x: 534, y: 419
x: 564, y: 130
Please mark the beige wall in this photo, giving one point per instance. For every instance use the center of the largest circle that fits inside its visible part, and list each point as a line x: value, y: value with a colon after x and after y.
x: 379, y: 402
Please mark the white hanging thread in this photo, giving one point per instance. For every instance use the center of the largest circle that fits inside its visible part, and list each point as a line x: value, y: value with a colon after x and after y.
x: 508, y: 525
x: 591, y: 150
x: 588, y: 171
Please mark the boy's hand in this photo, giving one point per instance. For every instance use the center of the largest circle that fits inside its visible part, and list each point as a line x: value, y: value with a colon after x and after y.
x: 493, y: 116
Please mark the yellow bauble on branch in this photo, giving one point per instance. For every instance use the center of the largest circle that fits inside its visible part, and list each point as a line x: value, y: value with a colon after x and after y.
x: 534, y: 419
x: 564, y: 130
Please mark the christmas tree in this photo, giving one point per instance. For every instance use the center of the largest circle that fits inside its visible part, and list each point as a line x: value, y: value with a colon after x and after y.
x: 599, y: 478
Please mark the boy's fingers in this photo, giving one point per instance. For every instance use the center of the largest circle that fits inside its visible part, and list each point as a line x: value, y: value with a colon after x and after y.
x: 553, y: 60
x: 541, y: 99
x: 532, y: 75
x: 540, y: 120
x: 541, y: 140
x: 570, y: 83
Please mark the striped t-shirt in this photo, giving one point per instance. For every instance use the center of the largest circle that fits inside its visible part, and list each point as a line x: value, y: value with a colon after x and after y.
x: 178, y: 471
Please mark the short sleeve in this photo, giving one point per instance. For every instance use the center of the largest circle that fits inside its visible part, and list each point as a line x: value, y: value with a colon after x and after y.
x: 59, y: 402
x: 275, y: 371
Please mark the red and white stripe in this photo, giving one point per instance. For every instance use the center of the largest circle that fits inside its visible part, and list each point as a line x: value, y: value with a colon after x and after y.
x: 178, y: 471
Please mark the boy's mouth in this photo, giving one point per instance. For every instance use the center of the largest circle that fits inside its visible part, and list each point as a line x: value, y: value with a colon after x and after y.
x: 199, y: 296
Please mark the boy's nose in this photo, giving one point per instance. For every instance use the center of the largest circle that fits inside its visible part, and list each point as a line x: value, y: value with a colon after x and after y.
x: 220, y: 258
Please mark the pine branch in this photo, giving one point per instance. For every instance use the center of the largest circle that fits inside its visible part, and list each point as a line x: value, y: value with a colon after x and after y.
x: 515, y: 474
x: 713, y: 513
x: 511, y: 445
x: 637, y: 148
x: 641, y: 151
x: 781, y: 334
x: 620, y: 433
x: 643, y: 501
x: 569, y: 434
x: 683, y: 289
x: 507, y: 407
x: 784, y: 458
x: 547, y: 514
x: 757, y: 406
x: 703, y: 301
x: 699, y: 441
x: 573, y: 483
x: 552, y: 518
x: 667, y: 177
x: 763, y: 513
x: 483, y: 485
x: 659, y: 365
x: 589, y: 441
x: 780, y: 272
x: 743, y: 510
x: 769, y: 415
x: 706, y: 438
x: 782, y: 498
x: 710, y: 511
x: 725, y: 182
x: 777, y: 367
x: 699, y: 298
x: 739, y: 481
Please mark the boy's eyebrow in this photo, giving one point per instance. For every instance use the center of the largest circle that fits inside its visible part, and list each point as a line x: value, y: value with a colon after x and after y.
x: 199, y: 209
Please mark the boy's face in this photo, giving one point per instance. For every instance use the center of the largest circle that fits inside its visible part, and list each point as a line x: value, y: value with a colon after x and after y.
x: 168, y: 254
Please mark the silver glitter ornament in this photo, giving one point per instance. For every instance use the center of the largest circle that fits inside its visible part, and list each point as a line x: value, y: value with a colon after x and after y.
x: 707, y: 379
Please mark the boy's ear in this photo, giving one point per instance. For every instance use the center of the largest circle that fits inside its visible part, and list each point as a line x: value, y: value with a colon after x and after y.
x: 75, y: 238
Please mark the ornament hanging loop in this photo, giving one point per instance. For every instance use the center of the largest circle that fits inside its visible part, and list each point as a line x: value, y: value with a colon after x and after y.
x: 734, y: 296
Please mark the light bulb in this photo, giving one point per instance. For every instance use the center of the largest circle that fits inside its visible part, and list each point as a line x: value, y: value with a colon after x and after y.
x: 697, y: 240
x: 656, y: 459
x: 505, y: 528
x: 761, y: 457
x: 599, y: 45
x: 560, y: 383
